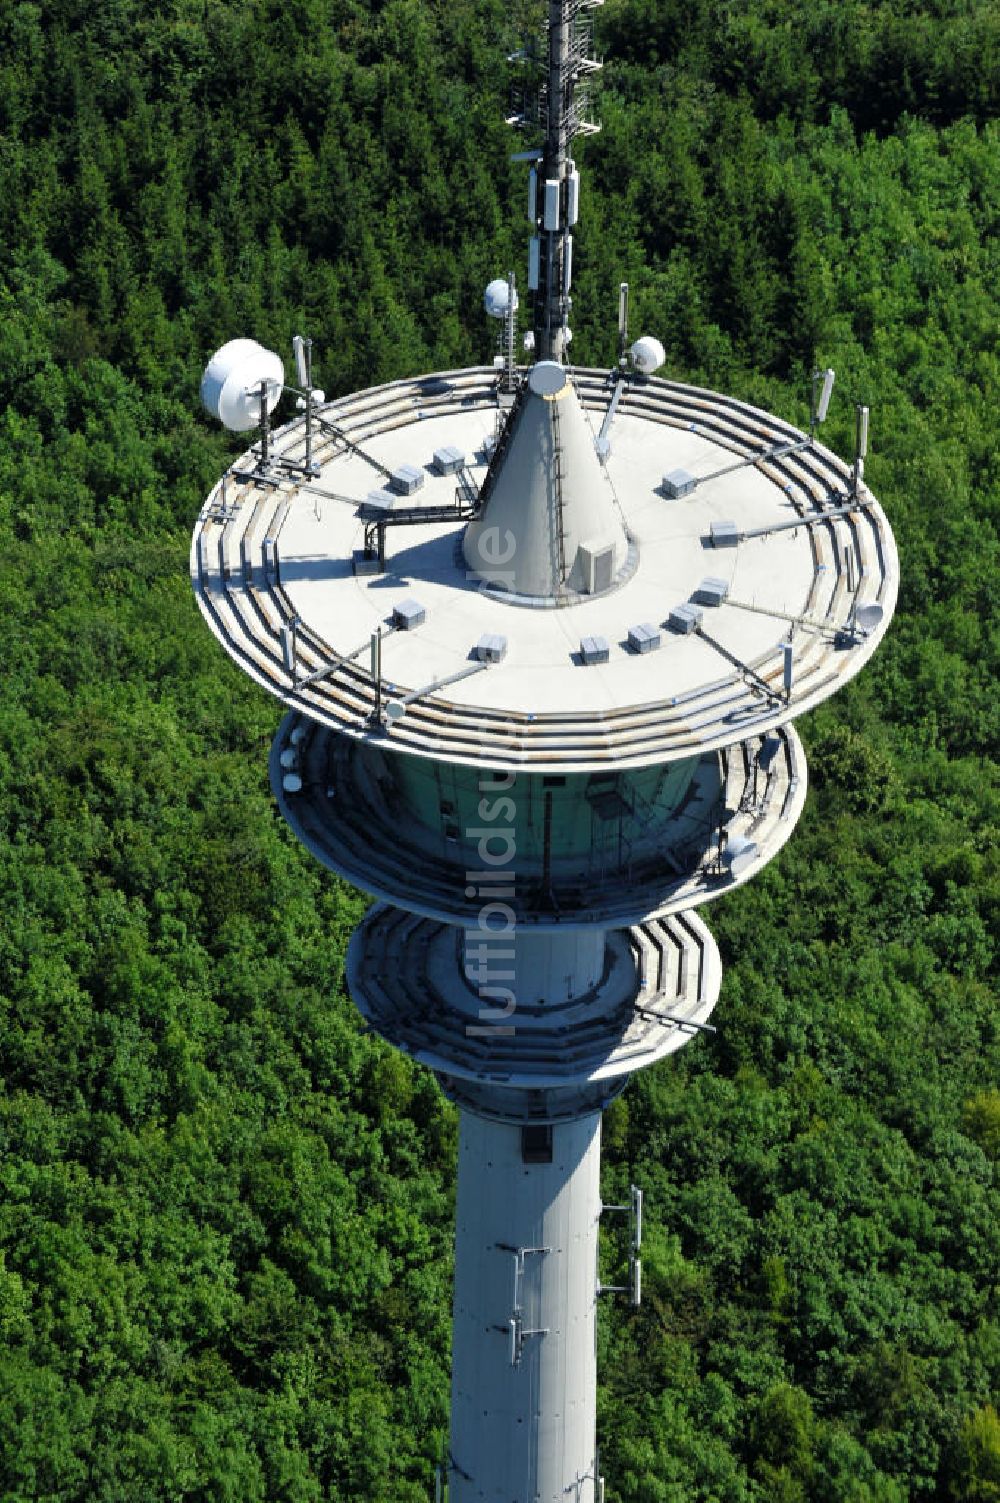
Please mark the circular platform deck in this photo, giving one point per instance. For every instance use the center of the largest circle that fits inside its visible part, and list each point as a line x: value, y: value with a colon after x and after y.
x: 807, y: 554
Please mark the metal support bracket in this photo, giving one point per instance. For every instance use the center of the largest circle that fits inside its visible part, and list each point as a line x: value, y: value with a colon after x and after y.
x: 634, y: 1286
x: 515, y: 1329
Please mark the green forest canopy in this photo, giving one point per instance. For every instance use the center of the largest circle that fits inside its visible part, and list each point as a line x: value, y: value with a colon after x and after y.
x: 225, y: 1215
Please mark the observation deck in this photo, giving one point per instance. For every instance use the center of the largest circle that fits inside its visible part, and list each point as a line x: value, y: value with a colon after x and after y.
x: 623, y: 852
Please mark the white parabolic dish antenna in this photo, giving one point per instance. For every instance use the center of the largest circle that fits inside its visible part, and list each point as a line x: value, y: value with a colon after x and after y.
x: 496, y: 299
x: 647, y: 354
x: 230, y: 387
x: 869, y: 616
x: 741, y: 854
x: 547, y: 378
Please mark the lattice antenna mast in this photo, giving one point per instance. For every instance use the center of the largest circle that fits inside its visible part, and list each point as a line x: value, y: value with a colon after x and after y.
x: 554, y: 188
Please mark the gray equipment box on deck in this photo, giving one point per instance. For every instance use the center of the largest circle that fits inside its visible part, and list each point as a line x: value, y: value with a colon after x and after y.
x: 407, y: 479
x: 725, y: 534
x: 448, y: 461
x: 684, y: 619
x: 678, y: 483
x: 408, y: 613
x: 594, y: 649
x: 491, y: 647
x: 643, y: 638
x: 712, y: 591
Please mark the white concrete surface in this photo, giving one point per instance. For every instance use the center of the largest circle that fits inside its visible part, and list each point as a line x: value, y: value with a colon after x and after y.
x: 790, y: 585
x: 525, y: 1431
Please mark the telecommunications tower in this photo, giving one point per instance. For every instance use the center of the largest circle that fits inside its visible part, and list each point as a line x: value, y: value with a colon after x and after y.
x: 542, y: 632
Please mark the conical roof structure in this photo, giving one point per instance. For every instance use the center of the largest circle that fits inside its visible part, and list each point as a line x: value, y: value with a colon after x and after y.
x: 550, y: 525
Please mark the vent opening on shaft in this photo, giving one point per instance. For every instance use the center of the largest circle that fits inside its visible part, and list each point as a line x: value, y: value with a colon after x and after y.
x: 536, y: 1143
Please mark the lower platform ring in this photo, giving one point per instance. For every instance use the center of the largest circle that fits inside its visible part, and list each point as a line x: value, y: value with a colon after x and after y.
x: 660, y: 984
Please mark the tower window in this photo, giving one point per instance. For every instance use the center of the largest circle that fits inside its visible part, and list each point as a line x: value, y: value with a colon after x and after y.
x: 536, y: 1143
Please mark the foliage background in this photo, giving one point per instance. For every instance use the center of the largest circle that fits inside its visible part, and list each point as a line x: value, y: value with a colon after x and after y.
x: 225, y: 1212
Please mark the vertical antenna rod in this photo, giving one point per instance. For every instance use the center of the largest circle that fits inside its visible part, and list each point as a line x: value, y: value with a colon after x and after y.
x: 555, y: 200
x: 552, y: 306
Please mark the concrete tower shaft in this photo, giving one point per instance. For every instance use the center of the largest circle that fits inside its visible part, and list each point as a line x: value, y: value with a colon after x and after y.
x: 532, y: 1034
x: 524, y: 1336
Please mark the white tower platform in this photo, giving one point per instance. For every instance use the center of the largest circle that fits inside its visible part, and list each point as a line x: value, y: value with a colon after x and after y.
x: 541, y: 634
